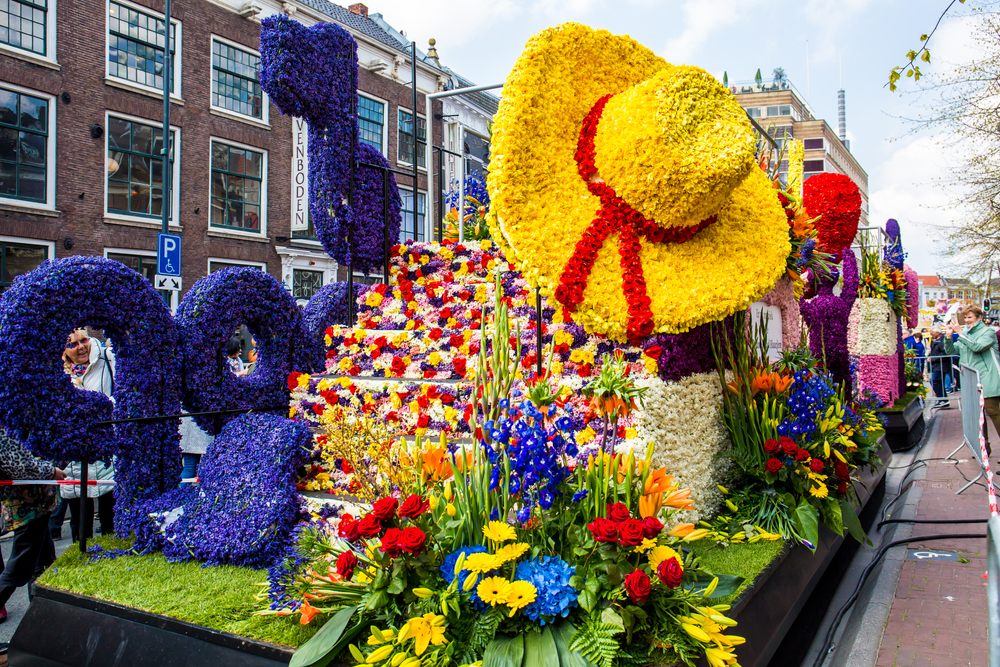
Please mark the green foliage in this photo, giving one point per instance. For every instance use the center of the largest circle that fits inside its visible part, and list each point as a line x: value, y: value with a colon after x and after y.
x: 504, y: 651
x: 596, y: 641
x: 911, y: 68
x: 325, y: 644
x: 483, y: 630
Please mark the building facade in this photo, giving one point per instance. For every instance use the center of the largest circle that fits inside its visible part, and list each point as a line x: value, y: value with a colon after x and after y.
x: 81, y: 162
x: 781, y: 110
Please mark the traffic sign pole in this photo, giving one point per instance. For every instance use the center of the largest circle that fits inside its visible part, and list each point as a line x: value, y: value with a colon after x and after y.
x: 167, y: 74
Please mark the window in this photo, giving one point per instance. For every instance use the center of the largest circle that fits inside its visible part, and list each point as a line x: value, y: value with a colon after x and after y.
x: 813, y: 144
x: 477, y: 154
x: 368, y: 279
x: 135, y: 167
x: 235, y: 82
x: 22, y: 24
x: 371, y: 120
x: 24, y: 146
x: 237, y: 187
x: 405, y: 143
x: 305, y: 283
x: 780, y: 110
x: 753, y: 112
x: 19, y: 258
x: 812, y: 165
x: 215, y: 264
x: 135, y: 47
x: 144, y: 265
x: 406, y: 227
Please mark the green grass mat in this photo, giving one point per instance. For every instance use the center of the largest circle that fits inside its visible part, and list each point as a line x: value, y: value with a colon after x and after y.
x: 901, y: 402
x: 221, y: 598
x: 744, y: 560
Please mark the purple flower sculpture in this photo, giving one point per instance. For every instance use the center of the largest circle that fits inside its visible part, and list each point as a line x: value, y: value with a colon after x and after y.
x: 328, y: 306
x: 894, y: 257
x: 40, y: 406
x: 912, y: 297
x: 685, y: 354
x: 245, y: 507
x: 207, y: 317
x: 827, y: 317
x: 312, y: 73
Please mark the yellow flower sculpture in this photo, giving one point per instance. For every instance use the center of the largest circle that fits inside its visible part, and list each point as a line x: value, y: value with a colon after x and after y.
x: 626, y: 187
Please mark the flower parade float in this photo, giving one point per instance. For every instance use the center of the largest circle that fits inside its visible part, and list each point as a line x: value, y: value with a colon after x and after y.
x: 652, y: 464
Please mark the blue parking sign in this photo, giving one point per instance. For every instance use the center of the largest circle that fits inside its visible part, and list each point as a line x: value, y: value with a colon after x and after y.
x: 168, y: 254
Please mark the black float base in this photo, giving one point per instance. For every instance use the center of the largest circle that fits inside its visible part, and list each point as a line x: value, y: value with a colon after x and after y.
x: 904, y: 429
x: 62, y: 629
x: 780, y: 614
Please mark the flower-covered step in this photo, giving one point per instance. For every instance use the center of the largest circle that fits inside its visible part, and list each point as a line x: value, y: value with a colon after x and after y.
x: 467, y: 263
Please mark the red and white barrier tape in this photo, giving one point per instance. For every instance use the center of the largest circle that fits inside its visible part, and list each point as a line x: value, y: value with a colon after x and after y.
x: 60, y: 482
x: 994, y: 510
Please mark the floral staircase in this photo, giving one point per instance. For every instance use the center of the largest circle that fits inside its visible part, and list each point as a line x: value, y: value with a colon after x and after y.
x: 412, y: 356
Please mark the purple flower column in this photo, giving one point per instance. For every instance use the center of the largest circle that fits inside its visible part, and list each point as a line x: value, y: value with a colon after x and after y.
x: 827, y: 317
x: 894, y: 257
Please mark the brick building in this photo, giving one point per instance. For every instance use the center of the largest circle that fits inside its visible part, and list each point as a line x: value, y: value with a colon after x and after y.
x: 80, y: 134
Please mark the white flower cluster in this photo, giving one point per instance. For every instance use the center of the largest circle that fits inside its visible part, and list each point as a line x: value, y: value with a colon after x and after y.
x: 871, y: 329
x: 683, y: 421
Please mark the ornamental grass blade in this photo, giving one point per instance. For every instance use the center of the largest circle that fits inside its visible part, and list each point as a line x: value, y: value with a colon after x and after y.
x: 562, y: 634
x: 324, y: 645
x: 540, y: 648
x: 504, y: 651
x: 728, y: 584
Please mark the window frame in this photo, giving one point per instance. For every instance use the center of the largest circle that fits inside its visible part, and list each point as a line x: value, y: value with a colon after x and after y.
x: 407, y: 163
x: 50, y: 152
x: 51, y: 35
x: 416, y: 213
x: 385, y: 117
x: 50, y: 247
x: 322, y: 279
x: 174, y: 295
x: 263, y: 190
x: 265, y: 100
x: 178, y: 43
x: 235, y: 262
x: 469, y: 156
x: 175, y: 173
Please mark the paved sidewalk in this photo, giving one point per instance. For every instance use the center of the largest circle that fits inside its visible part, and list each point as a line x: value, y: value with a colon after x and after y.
x: 939, y: 617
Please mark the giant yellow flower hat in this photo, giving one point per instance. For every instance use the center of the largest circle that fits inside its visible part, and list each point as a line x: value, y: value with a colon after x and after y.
x: 627, y: 187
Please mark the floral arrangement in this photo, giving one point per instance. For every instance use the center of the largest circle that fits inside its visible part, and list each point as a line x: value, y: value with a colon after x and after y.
x: 207, y: 316
x: 879, y: 374
x: 806, y: 255
x: 673, y: 233
x: 872, y: 328
x: 796, y: 167
x: 912, y: 296
x: 328, y: 306
x: 828, y: 318
x: 784, y: 297
x: 475, y: 208
x: 881, y: 278
x: 37, y: 313
x: 245, y: 506
x: 836, y: 200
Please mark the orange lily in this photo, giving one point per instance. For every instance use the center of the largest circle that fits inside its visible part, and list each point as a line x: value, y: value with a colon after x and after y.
x: 650, y: 504
x: 658, y: 482
x: 308, y: 612
x: 679, y: 499
x: 681, y: 530
x: 433, y: 462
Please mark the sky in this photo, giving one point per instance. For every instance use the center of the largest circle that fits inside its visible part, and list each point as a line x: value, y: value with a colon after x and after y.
x: 856, y: 42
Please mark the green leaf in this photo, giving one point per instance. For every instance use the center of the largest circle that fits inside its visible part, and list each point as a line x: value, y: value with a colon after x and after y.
x: 852, y: 523
x: 587, y: 600
x: 377, y: 600
x: 398, y: 583
x: 540, y: 648
x: 832, y: 516
x: 319, y: 650
x: 504, y: 651
x: 728, y: 584
x: 806, y: 520
x: 611, y: 617
x: 563, y: 635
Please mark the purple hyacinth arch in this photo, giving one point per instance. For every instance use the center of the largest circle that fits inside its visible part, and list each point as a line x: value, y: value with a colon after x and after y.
x: 827, y: 316
x: 208, y: 316
x: 40, y: 406
x: 328, y: 306
x: 312, y: 73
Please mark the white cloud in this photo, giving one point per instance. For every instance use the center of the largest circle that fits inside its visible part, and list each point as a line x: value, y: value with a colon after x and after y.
x: 702, y: 20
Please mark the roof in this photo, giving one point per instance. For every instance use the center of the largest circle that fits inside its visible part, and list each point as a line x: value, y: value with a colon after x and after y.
x: 362, y: 24
x: 929, y: 281
x: 957, y: 282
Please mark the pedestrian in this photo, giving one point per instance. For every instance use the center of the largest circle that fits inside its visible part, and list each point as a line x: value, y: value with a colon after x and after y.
x: 977, y: 348
x: 939, y: 362
x: 234, y: 348
x: 92, y: 367
x: 916, y: 343
x: 26, y: 509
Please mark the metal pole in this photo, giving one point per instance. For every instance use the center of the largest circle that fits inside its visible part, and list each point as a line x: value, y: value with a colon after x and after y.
x: 167, y: 73
x: 461, y: 186
x: 84, y: 514
x: 385, y: 220
x: 538, y: 331
x: 350, y: 227
x: 440, y: 206
x: 416, y: 176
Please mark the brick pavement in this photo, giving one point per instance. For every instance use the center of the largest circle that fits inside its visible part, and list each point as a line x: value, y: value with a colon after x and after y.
x: 939, y: 615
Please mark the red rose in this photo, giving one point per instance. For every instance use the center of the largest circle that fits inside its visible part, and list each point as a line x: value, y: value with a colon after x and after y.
x: 398, y: 365
x: 435, y: 333
x: 423, y: 421
x: 346, y: 563
x: 773, y: 465
x: 369, y: 526
x: 293, y: 381
x: 349, y: 530
x: 603, y: 530
x: 801, y: 455
x: 637, y: 586
x: 390, y: 543
x: 630, y: 532
x: 617, y: 512
x: 413, y: 507
x: 816, y: 465
x: 788, y: 445
x: 412, y: 540
x: 384, y: 509
x: 771, y: 446
x: 671, y: 572
x: 458, y: 363
x: 651, y: 527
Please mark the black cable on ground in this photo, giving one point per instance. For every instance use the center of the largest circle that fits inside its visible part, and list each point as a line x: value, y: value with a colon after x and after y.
x: 828, y: 640
x: 911, y: 463
x: 881, y: 523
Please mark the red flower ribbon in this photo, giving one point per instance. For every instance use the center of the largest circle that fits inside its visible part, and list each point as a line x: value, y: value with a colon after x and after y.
x: 615, y: 215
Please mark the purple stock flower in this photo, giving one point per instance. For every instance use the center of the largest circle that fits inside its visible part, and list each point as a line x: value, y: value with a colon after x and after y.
x: 683, y: 355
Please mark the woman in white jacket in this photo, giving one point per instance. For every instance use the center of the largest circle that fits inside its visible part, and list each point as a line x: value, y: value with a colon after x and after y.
x: 92, y: 367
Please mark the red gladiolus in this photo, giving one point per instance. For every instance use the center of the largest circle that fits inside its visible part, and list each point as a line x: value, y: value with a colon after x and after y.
x: 638, y: 586
x: 346, y: 562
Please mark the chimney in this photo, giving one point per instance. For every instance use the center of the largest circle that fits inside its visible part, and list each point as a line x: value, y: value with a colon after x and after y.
x: 842, y: 116
x: 359, y: 9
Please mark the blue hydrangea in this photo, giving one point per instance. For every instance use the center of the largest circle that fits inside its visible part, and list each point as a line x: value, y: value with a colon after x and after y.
x: 550, y: 576
x: 448, y: 566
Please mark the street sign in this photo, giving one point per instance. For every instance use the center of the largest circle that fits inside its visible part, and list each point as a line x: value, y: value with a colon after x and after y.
x: 172, y: 283
x: 168, y: 255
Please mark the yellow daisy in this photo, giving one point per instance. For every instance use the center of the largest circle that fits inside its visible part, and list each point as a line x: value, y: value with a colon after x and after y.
x: 522, y: 593
x: 659, y: 554
x: 494, y: 590
x: 482, y: 562
x: 646, y: 545
x: 819, y: 491
x: 512, y: 552
x: 497, y: 531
